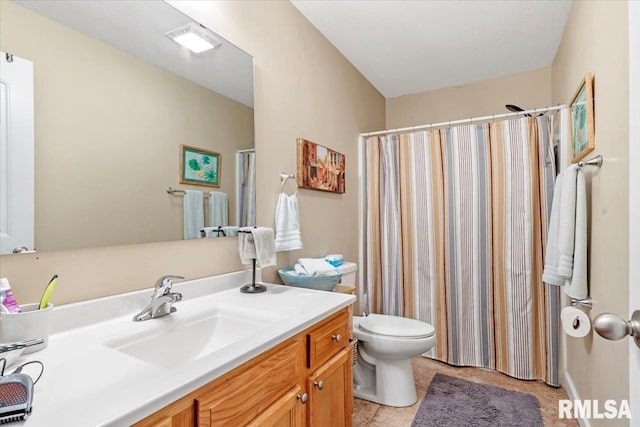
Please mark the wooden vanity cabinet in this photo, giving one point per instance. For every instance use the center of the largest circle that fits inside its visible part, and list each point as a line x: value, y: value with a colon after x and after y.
x: 304, y: 381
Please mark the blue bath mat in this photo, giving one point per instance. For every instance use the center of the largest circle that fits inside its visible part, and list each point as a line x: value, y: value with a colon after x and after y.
x: 454, y: 402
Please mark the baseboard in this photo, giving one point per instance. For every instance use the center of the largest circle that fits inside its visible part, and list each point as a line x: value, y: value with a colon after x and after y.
x: 570, y: 388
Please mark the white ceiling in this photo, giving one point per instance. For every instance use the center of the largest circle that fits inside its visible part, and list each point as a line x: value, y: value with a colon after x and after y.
x: 405, y: 47
x: 140, y: 27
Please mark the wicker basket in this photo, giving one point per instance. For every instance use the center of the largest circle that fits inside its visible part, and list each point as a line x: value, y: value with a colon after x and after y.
x: 353, y: 343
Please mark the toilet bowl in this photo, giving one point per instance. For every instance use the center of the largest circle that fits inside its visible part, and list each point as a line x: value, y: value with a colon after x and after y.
x: 386, y: 345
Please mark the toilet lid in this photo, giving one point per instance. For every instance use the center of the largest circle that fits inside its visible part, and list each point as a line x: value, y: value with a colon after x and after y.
x: 395, y: 326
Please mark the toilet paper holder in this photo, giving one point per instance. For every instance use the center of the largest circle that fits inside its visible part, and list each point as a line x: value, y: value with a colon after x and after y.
x: 585, y: 302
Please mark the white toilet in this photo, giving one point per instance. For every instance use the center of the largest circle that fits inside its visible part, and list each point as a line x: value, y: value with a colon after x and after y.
x: 386, y: 345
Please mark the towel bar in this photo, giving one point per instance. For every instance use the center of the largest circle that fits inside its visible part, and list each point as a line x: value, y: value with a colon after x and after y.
x: 171, y: 190
x: 585, y: 302
x: 283, y: 179
x: 595, y: 161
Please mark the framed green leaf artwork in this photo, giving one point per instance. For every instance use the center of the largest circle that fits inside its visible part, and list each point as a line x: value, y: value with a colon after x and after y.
x: 581, y: 120
x: 199, y: 166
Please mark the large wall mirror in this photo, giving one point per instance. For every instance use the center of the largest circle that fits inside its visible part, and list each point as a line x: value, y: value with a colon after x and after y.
x: 114, y: 100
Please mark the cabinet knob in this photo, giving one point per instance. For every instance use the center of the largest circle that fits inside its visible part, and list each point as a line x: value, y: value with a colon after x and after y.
x: 303, y: 397
x: 336, y: 337
x: 319, y: 384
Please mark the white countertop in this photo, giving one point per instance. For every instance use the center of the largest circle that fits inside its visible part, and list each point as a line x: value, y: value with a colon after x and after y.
x: 88, y: 383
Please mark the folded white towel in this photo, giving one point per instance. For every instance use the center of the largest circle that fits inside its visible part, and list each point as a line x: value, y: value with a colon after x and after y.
x: 218, y: 210
x: 299, y: 270
x: 287, y: 223
x: 317, y: 267
x: 193, y: 217
x: 566, y: 250
x: 258, y: 245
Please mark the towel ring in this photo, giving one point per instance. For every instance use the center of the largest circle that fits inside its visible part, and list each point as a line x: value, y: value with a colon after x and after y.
x: 283, y: 179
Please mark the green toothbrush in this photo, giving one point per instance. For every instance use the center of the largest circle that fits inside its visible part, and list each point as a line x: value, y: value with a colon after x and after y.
x: 44, y: 301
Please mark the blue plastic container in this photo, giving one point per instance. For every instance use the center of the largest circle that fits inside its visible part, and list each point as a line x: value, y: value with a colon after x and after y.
x: 321, y: 283
x: 334, y: 259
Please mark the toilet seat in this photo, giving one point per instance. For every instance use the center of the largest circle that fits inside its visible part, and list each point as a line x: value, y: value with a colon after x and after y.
x: 394, y: 326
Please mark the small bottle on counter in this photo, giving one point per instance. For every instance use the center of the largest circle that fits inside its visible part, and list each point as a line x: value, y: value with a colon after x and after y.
x: 8, y: 303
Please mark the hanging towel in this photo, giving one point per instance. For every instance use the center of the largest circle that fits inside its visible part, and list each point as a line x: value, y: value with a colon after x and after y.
x: 287, y: 223
x: 566, y: 252
x: 258, y: 244
x: 193, y: 213
x: 218, y: 210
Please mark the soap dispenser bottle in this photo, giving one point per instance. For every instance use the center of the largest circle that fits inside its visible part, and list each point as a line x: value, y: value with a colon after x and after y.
x: 8, y: 303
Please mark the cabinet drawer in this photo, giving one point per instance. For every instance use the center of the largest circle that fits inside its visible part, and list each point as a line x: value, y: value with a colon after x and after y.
x: 244, y: 393
x: 327, y: 339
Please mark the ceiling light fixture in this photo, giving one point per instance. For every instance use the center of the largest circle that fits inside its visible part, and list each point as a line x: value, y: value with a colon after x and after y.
x: 194, y: 37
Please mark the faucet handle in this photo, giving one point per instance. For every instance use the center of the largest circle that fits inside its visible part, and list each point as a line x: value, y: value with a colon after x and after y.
x: 163, y: 284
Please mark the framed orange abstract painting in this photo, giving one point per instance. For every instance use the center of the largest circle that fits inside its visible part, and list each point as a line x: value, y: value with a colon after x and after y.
x: 319, y: 167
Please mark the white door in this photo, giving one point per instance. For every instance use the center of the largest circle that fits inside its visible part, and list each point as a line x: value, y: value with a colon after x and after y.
x: 634, y: 202
x: 16, y: 154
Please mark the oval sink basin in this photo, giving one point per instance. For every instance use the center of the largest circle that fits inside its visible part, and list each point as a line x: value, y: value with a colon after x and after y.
x: 180, y: 338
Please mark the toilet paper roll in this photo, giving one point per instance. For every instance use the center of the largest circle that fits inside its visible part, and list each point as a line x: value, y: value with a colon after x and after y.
x: 575, y: 322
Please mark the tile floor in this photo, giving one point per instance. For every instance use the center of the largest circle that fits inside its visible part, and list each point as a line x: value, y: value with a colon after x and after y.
x: 370, y: 414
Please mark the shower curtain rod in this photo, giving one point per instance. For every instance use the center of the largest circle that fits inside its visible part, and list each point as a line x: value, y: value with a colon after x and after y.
x: 458, y: 122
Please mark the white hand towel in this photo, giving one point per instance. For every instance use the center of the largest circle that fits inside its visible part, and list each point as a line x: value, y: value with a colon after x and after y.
x: 566, y: 249
x: 317, y: 267
x: 218, y: 210
x: 287, y: 224
x: 258, y: 245
x: 576, y: 286
x: 550, y: 274
x: 193, y: 218
x: 567, y: 224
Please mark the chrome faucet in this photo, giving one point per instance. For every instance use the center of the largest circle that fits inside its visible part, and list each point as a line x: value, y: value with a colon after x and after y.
x: 161, y: 301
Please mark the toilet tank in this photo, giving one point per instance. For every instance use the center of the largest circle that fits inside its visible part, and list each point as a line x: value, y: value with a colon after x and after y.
x: 349, y: 270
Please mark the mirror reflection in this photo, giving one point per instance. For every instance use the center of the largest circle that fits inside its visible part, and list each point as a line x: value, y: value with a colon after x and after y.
x: 115, y: 101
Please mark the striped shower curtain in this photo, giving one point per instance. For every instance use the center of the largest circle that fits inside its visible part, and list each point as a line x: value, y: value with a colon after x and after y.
x: 454, y: 234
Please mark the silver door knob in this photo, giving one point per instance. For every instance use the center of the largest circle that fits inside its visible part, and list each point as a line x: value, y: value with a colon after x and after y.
x: 614, y: 327
x: 336, y: 337
x: 319, y: 384
x: 303, y: 397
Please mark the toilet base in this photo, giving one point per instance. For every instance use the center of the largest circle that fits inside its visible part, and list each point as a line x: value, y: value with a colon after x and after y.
x: 392, y: 383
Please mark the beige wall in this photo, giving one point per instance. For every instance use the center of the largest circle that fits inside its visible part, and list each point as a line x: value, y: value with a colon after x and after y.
x: 596, y: 40
x: 304, y: 88
x: 530, y: 89
x: 108, y: 128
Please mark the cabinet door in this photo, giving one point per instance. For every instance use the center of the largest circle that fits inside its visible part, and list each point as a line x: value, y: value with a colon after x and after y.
x: 288, y: 411
x: 242, y: 395
x: 179, y: 414
x: 330, y: 393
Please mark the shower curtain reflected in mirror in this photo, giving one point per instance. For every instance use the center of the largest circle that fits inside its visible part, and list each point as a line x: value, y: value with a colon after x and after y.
x: 454, y: 234
x: 246, y: 187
